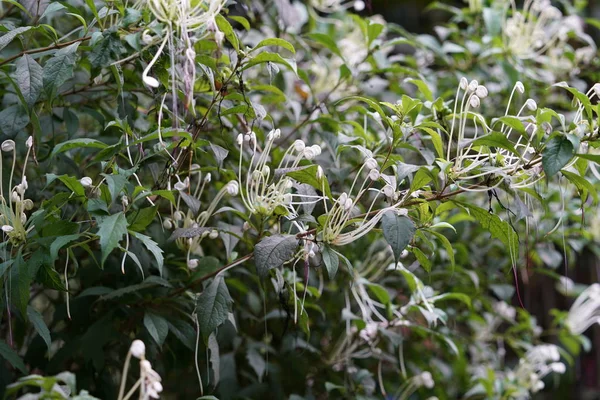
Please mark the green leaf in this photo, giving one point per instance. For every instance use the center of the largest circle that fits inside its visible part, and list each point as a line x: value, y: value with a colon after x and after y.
x: 241, y: 20
x: 227, y: 29
x: 77, y: 144
x: 273, y: 252
x: 157, y: 327
x: 29, y: 77
x: 422, y: 259
x: 422, y: 178
x: 275, y: 42
x: 111, y: 231
x: 10, y: 35
x: 447, y: 245
x: 153, y: 248
x: 583, y: 185
x: 331, y: 260
x: 327, y: 41
x: 12, y: 357
x: 265, y: 57
x: 13, y: 119
x: 213, y: 307
x: 40, y: 326
x: 495, y: 139
x: 308, y: 175
x: 50, y: 278
x: 380, y: 292
x: 59, y: 68
x: 557, y: 153
x: 422, y: 86
x: 141, y: 218
x: 105, y: 51
x: 498, y: 228
x: 398, y: 231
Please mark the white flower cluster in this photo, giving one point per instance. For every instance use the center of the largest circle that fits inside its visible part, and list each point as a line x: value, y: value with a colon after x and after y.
x: 538, y: 362
x: 337, y: 5
x: 585, y: 311
x: 13, y: 219
x: 149, y: 381
x: 187, y: 220
x: 265, y: 190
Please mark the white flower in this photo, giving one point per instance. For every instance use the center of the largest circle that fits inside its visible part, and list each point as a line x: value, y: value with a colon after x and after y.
x: 481, y: 92
x: 8, y: 145
x: 531, y: 104
x: 585, y: 311
x: 138, y: 349
x: 7, y: 228
x: 424, y: 380
x: 474, y: 101
x: 86, y: 181
x: 464, y: 83
x: 374, y: 174
x: 519, y: 87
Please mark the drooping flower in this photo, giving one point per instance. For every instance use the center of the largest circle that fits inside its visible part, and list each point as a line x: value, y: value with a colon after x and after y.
x: 585, y: 311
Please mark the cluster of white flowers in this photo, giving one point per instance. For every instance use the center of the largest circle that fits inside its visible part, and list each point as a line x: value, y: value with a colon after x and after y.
x: 585, y: 311
x: 540, y: 31
x: 265, y: 190
x: 188, y: 220
x: 329, y: 6
x: 538, y: 362
x: 149, y: 381
x: 13, y: 219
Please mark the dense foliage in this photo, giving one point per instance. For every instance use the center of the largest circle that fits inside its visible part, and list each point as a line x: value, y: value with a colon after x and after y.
x: 272, y: 199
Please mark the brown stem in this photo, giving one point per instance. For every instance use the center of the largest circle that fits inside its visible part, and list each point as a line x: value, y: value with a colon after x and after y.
x: 42, y: 49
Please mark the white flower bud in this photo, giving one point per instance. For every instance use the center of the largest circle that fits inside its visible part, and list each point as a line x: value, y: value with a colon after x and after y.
x: 178, y: 216
x: 464, y: 83
x: 29, y: 142
x: 319, y: 172
x: 474, y: 101
x: 266, y: 171
x: 146, y: 37
x: 473, y: 85
x: 28, y: 204
x: 23, y: 218
x: 204, y: 234
x: 219, y: 36
x: 342, y: 199
x: 371, y: 163
x: 86, y: 181
x: 7, y: 228
x: 299, y: 146
x: 150, y: 81
x: 207, y: 178
x: 309, y: 153
x: 246, y: 226
x: 167, y: 224
x: 388, y: 191
x: 316, y: 148
x: 180, y: 186
x: 137, y: 349
x: 213, y: 234
x: 20, y: 189
x: 374, y: 174
x: 348, y: 204
x: 359, y: 5
x: 481, y: 92
x: 531, y: 104
x: 124, y: 201
x: 233, y: 188
x: 8, y: 145
x: 194, y: 168
x: 14, y: 196
x: 192, y: 264
x: 519, y: 87
x: 240, y: 139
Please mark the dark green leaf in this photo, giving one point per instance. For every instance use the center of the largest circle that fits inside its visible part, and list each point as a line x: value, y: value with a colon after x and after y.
x: 12, y: 357
x: 157, y: 326
x: 331, y: 260
x: 273, y: 252
x: 38, y: 323
x: 213, y: 307
x: 398, y: 230
x: 29, y: 76
x: 59, y: 68
x: 557, y: 153
x: 13, y: 119
x: 111, y: 230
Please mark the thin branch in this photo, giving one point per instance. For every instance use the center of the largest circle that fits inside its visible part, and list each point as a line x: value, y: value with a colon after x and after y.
x: 42, y: 49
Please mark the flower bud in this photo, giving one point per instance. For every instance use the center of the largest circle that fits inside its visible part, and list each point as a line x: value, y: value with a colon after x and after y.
x: 319, y: 172
x: 473, y: 85
x: 481, y: 92
x: 464, y: 83
x: 14, y: 196
x: 240, y: 139
x: 86, y: 181
x: 29, y: 142
x: 374, y: 174
x: 519, y: 87
x: 309, y: 153
x: 178, y: 216
x: 124, y: 201
x: 474, y: 101
x: 531, y: 104
x: 192, y: 264
x: 371, y: 163
x: 213, y: 234
x: 348, y: 204
x: 167, y: 223
x: 137, y: 349
x: 8, y: 145
x: 207, y: 178
x: 233, y: 188
x: 7, y: 228
x: 316, y: 148
x: 23, y: 218
x: 299, y: 146
x: 28, y: 204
